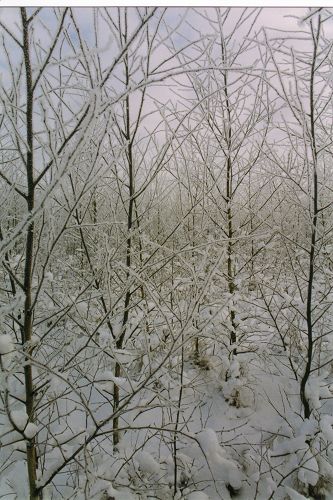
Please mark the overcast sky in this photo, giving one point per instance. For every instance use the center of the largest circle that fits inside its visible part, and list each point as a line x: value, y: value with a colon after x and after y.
x: 193, y: 25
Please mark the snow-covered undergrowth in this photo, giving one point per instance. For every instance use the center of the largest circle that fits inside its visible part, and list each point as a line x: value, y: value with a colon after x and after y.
x: 195, y: 422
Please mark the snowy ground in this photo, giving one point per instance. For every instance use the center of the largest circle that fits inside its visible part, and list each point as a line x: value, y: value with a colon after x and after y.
x: 201, y: 428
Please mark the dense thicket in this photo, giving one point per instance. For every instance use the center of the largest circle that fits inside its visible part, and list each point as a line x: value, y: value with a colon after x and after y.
x: 166, y: 254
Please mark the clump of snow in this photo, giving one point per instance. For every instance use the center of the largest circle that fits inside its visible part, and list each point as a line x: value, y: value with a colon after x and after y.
x: 289, y: 446
x: 57, y: 386
x: 109, y: 376
x: 268, y: 486
x: 147, y: 463
x: 308, y: 428
x: 326, y: 471
x: 6, y: 344
x: 224, y: 468
x: 30, y: 431
x: 308, y: 474
x: 326, y: 425
x: 315, y: 389
x: 120, y: 495
x: 20, y: 418
x: 234, y: 369
x: 238, y: 394
x: 34, y: 340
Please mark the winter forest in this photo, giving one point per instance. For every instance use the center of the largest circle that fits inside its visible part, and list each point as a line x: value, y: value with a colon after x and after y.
x: 166, y: 253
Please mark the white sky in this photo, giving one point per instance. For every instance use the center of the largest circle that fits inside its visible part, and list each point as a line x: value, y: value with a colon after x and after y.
x: 285, y: 18
x: 169, y: 3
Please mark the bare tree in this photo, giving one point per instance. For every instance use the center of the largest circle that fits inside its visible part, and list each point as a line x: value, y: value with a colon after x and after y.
x: 231, y: 123
x: 307, y: 137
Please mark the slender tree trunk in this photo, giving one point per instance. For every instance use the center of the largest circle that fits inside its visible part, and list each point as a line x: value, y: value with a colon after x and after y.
x: 174, y: 444
x: 309, y: 305
x: 230, y: 230
x: 130, y: 213
x: 251, y: 284
x: 28, y: 268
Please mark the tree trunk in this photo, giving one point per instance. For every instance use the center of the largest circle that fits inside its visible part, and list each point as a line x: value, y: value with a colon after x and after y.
x: 28, y: 268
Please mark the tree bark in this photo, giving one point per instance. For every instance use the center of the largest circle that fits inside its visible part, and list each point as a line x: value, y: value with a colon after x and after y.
x: 29, y: 257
